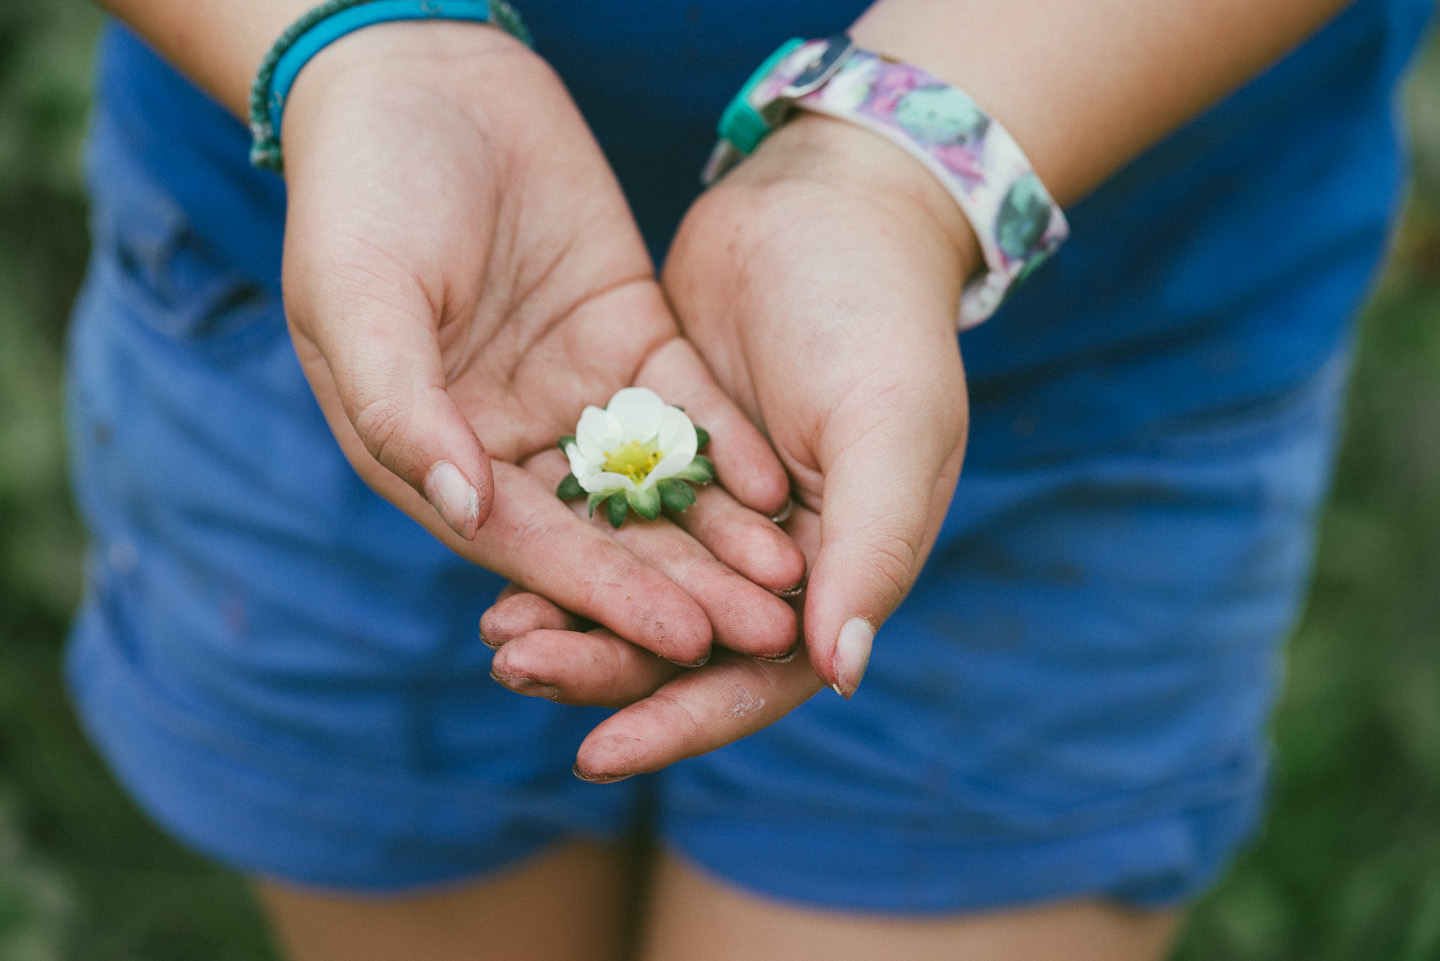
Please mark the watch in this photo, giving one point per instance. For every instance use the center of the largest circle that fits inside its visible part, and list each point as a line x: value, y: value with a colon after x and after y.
x: 1017, y: 222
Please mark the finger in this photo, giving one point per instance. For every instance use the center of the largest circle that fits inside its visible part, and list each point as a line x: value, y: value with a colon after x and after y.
x: 516, y: 612
x: 745, y: 617
x: 534, y: 539
x: 381, y: 350
x: 744, y: 461
x: 593, y: 668
x: 878, y: 525
x: 753, y: 546
x: 698, y: 711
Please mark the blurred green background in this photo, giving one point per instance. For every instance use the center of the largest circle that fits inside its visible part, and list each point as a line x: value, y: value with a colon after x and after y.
x: 1348, y: 867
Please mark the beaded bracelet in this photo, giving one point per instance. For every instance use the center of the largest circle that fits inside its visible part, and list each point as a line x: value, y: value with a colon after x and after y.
x: 1017, y: 222
x: 327, y: 23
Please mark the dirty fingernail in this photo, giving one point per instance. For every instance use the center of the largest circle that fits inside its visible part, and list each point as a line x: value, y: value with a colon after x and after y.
x: 526, y: 685
x: 783, y: 514
x: 852, y: 654
x: 597, y: 778
x: 785, y: 658
x: 454, y: 498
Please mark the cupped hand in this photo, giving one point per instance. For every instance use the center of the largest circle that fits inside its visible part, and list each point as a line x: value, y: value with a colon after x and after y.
x: 460, y: 265
x: 667, y: 713
x: 820, y: 280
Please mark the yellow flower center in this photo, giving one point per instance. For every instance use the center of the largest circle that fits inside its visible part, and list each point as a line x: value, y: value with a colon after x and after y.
x: 633, y: 459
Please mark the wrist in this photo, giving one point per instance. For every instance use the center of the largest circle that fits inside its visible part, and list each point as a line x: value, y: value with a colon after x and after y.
x: 439, y: 46
x: 1015, y: 221
x: 388, y: 62
x: 418, y: 36
x: 872, y: 169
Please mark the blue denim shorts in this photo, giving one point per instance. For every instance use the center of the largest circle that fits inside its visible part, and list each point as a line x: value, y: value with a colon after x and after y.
x: 286, y: 672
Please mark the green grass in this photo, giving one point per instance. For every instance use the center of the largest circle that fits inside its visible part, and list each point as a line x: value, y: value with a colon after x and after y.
x: 83, y: 875
x: 1349, y: 864
x: 1347, y: 868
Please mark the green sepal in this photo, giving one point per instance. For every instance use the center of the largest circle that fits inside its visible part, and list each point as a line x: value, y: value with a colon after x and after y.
x: 702, y: 437
x: 701, y: 470
x: 616, y: 507
x: 646, y: 503
x: 569, y: 488
x: 565, y: 442
x: 675, y: 495
x: 596, y: 499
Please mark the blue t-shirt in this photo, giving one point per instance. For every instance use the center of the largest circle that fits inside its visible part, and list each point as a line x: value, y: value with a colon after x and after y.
x: 1216, y: 271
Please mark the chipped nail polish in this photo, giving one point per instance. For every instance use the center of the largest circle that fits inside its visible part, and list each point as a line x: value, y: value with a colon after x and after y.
x: 454, y: 498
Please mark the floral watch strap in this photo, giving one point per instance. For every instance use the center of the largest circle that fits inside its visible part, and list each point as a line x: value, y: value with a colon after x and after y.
x: 1017, y: 222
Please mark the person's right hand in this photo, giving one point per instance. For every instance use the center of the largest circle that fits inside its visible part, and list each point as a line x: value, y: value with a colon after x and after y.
x: 460, y: 264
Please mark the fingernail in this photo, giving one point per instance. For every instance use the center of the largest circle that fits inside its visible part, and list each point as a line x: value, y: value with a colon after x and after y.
x: 693, y: 664
x: 783, y: 514
x: 789, y: 592
x: 526, y: 685
x: 454, y: 498
x: 785, y: 658
x: 597, y: 778
x: 852, y: 654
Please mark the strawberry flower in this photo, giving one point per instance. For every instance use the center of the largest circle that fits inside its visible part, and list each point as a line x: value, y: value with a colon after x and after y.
x: 638, y: 453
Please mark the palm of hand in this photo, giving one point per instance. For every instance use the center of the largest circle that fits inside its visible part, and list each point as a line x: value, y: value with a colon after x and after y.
x: 823, y: 295
x: 462, y: 267
x: 824, y: 300
x: 497, y: 233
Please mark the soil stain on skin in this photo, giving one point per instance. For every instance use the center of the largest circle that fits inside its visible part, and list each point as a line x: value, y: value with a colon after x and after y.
x: 745, y: 703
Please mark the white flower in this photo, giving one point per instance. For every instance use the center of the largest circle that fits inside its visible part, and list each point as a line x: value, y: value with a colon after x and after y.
x: 632, y: 448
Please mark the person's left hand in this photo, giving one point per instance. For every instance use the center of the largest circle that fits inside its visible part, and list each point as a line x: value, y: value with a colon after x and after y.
x: 820, y: 280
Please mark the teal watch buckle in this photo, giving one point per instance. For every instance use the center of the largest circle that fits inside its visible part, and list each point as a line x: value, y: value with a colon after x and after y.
x: 741, y: 124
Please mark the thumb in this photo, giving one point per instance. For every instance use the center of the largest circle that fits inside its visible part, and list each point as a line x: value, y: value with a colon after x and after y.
x: 387, y: 373
x: 885, y: 495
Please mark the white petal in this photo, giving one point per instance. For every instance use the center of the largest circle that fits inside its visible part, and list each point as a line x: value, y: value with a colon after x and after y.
x: 678, y: 442
x: 605, y: 481
x: 580, y: 465
x: 597, y: 433
x: 638, y: 411
x: 677, y: 433
x: 669, y: 466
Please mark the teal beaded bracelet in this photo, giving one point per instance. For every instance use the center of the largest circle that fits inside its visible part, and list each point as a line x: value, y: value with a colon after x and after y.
x: 329, y: 22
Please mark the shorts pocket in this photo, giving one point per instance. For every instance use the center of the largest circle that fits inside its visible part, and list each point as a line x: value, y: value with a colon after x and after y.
x: 176, y: 281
